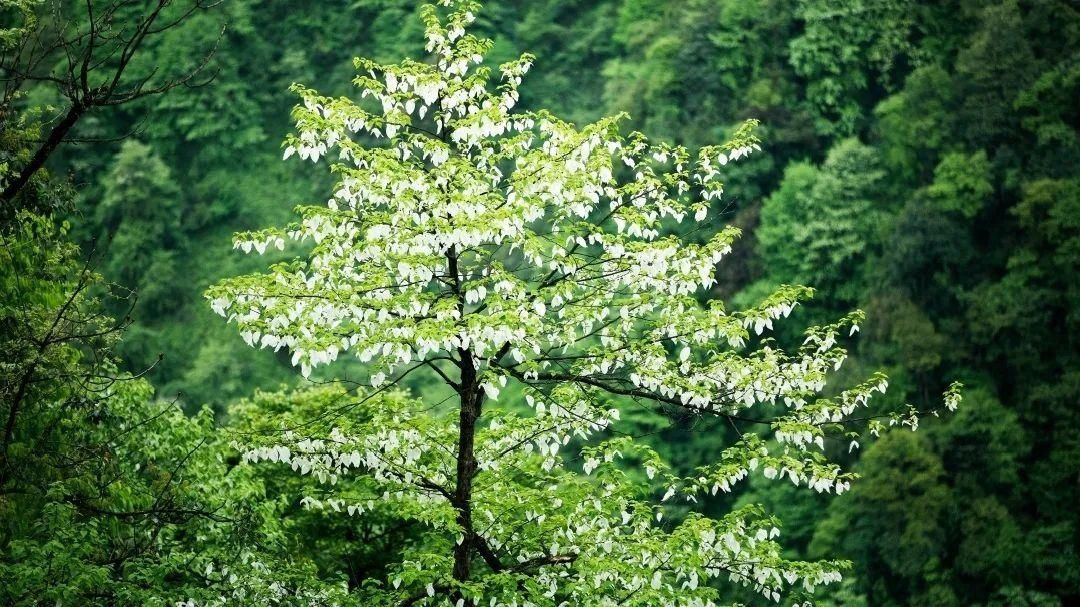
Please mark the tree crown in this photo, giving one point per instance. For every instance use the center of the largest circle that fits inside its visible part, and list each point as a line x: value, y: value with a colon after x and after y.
x: 551, y: 276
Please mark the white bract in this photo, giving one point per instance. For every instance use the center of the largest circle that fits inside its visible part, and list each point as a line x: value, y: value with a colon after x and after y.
x: 512, y: 253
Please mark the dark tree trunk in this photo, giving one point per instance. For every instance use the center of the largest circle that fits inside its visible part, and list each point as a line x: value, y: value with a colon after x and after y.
x: 56, y: 135
x: 470, y: 396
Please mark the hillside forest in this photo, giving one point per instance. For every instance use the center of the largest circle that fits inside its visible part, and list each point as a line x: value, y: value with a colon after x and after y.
x: 918, y: 161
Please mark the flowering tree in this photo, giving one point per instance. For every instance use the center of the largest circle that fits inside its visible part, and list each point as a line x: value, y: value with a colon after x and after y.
x: 533, y: 267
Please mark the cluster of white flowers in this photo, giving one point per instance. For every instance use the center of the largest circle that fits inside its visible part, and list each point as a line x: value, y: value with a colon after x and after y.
x: 393, y: 451
x: 252, y: 582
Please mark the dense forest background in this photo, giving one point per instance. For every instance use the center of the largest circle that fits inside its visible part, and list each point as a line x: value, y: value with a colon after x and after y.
x: 921, y: 162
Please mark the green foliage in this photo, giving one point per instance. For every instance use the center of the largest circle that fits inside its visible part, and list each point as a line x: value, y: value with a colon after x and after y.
x: 140, y: 215
x: 108, y: 497
x: 820, y: 225
x: 954, y: 225
x: 892, y: 521
x: 962, y: 184
x: 842, y: 58
x: 914, y: 124
x: 995, y: 64
x: 358, y: 547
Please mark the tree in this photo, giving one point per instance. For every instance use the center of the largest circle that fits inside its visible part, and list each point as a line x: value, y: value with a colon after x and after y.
x: 819, y: 226
x: 530, y: 265
x: 139, y: 212
x: 86, y: 54
x: 843, y: 60
x: 108, y: 497
x: 906, y: 545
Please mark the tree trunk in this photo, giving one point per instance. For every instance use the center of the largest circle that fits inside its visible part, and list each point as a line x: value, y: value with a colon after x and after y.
x: 56, y: 135
x: 470, y: 397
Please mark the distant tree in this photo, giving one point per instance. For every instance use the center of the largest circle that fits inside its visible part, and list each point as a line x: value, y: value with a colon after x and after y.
x: 140, y: 215
x: 819, y: 227
x: 898, y: 523
x: 844, y: 60
x: 893, y: 521
x: 530, y: 265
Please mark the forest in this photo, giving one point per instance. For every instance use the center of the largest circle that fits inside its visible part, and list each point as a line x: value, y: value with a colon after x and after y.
x: 540, y: 303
